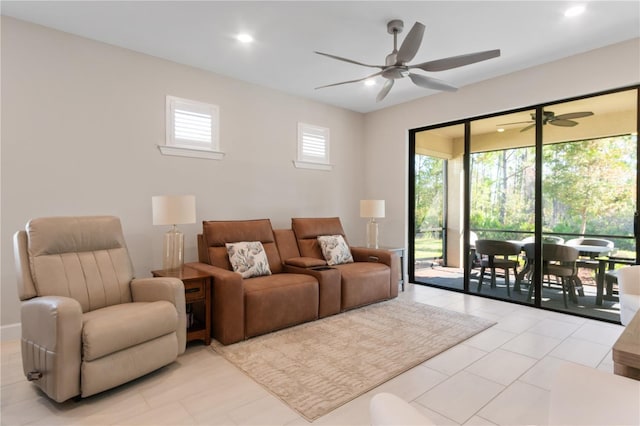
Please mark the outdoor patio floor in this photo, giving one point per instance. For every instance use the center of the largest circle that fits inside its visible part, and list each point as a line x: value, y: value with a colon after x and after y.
x: 444, y: 277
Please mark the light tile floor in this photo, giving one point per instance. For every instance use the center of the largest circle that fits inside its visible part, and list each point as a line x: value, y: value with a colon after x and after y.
x: 500, y: 376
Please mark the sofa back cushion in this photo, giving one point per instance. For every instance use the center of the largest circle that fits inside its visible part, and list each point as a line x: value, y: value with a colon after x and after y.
x: 84, y: 258
x: 216, y: 233
x: 307, y: 231
x: 287, y: 244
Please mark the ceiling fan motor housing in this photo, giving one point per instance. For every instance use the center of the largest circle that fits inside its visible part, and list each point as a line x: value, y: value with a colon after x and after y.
x: 395, y: 26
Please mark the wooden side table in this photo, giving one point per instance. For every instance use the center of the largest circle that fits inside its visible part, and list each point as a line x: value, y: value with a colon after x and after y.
x: 626, y: 350
x: 197, y: 293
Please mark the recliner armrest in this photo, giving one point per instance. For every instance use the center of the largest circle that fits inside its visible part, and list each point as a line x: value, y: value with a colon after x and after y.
x: 305, y: 262
x: 52, y: 344
x: 168, y: 289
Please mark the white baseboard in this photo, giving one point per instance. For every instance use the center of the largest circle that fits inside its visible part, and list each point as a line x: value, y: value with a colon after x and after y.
x: 10, y: 332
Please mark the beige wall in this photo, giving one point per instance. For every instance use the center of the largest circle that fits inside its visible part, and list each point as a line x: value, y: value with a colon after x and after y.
x: 386, y: 131
x: 81, y: 122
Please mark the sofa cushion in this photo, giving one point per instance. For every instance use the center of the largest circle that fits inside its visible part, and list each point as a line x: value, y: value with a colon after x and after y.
x: 248, y: 259
x: 335, y: 250
x: 364, y: 283
x: 117, y: 327
x: 279, y: 301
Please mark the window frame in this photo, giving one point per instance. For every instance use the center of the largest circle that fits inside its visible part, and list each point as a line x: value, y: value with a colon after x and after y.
x: 183, y: 148
x: 309, y: 162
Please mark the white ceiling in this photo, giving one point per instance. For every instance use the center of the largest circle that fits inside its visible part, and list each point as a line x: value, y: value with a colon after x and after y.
x: 286, y: 33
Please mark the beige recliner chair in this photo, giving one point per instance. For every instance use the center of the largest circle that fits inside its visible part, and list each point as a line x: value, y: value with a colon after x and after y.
x: 87, y: 324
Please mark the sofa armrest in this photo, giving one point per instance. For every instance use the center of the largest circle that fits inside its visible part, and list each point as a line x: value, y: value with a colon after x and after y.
x: 329, y: 285
x: 168, y: 289
x: 228, y: 303
x: 52, y: 344
x: 387, y: 257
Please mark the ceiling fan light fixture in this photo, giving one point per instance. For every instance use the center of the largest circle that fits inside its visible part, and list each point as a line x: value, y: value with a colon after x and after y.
x: 574, y: 11
x: 244, y: 38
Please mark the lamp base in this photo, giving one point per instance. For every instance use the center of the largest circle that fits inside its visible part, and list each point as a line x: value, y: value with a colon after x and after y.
x: 372, y: 234
x: 173, y: 250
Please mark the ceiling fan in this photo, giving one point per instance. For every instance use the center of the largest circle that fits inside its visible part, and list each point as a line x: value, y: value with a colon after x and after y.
x: 396, y: 62
x: 564, y: 120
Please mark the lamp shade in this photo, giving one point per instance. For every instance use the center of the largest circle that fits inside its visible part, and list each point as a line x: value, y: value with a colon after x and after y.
x: 173, y: 209
x: 371, y: 208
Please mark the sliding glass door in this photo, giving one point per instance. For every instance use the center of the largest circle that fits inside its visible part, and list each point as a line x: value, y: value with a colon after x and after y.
x: 502, y: 172
x: 436, y: 228
x: 589, y: 197
x: 490, y: 195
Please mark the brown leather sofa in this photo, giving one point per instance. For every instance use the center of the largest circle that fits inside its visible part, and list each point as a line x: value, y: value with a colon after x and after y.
x: 300, y: 288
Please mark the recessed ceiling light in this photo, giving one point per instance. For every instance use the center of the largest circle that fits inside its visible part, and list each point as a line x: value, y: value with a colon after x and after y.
x: 369, y: 82
x: 500, y: 130
x: 574, y: 11
x: 244, y: 38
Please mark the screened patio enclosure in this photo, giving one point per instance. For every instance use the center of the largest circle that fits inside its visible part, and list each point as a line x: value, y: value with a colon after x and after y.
x: 558, y: 173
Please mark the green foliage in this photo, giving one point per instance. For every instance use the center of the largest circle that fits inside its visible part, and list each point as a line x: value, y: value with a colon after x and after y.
x: 429, y: 193
x: 588, y: 184
x: 588, y: 188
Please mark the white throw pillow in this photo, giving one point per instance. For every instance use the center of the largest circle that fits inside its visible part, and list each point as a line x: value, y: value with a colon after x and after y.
x: 335, y: 249
x: 248, y: 258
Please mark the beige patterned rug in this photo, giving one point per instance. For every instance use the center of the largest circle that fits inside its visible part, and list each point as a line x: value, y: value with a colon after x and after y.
x: 318, y: 366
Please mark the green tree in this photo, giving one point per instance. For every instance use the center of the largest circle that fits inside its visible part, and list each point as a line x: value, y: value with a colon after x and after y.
x: 587, y: 180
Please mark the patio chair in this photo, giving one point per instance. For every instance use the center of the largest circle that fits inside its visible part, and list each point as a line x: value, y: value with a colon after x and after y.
x: 560, y: 261
x: 494, y: 254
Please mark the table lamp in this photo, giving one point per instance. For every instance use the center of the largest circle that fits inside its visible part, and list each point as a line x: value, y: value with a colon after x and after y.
x: 372, y: 209
x: 173, y: 210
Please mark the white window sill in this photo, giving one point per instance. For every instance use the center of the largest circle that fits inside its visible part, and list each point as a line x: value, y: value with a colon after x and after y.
x: 313, y: 166
x: 190, y: 152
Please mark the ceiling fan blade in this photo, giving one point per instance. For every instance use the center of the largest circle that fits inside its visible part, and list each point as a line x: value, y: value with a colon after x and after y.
x: 457, y: 61
x: 350, y: 81
x: 348, y: 60
x: 411, y: 44
x: 573, y: 115
x: 563, y: 123
x: 385, y: 89
x: 524, y: 129
x: 431, y: 83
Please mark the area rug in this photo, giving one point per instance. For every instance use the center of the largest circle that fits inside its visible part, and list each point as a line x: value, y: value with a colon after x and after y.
x: 318, y: 366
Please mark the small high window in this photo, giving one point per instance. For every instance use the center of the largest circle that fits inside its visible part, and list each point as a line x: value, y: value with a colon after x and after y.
x: 313, y: 147
x: 192, y: 129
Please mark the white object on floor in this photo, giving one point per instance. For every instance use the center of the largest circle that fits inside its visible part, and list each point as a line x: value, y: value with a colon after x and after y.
x: 388, y: 410
x: 629, y: 289
x: 586, y: 396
